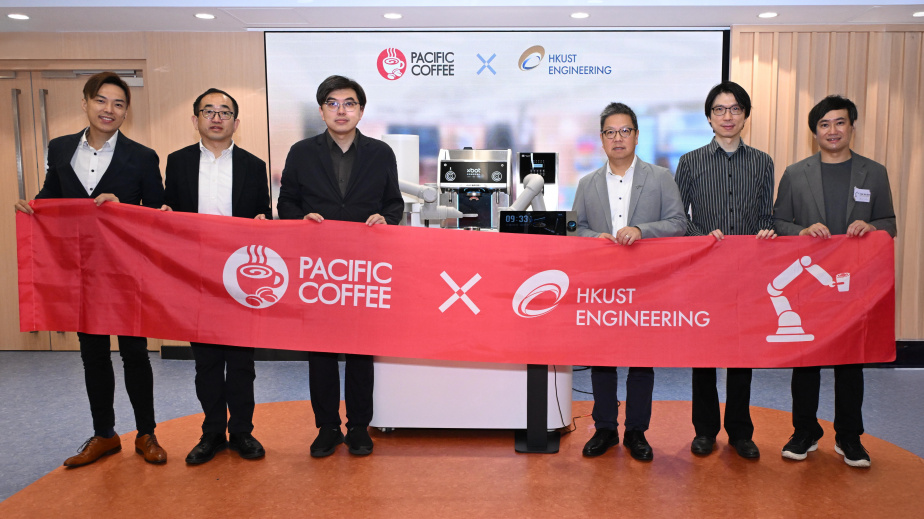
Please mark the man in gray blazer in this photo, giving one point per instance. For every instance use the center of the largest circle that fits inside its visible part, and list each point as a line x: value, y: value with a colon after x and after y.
x: 832, y: 192
x: 624, y: 201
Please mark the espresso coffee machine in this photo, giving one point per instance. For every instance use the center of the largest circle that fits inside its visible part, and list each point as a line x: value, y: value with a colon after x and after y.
x: 477, y: 183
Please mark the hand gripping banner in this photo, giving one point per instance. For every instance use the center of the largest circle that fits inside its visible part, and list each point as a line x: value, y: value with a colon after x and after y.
x: 456, y: 295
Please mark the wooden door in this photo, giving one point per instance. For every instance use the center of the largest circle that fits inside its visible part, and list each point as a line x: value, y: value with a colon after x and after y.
x: 49, y: 106
x: 19, y: 166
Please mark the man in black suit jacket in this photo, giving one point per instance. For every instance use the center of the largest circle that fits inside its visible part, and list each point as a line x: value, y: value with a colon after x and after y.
x: 217, y: 177
x: 342, y: 175
x: 101, y: 163
x: 832, y: 192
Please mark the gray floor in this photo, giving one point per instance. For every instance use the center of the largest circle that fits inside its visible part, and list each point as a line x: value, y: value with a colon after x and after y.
x: 44, y: 415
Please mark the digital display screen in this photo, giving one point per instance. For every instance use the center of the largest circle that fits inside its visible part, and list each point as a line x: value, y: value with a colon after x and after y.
x: 540, y: 90
x: 543, y: 164
x: 551, y: 223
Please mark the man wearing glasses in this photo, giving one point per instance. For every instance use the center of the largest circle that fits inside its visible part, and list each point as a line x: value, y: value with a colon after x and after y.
x: 341, y: 175
x: 727, y: 188
x: 624, y: 201
x: 216, y: 177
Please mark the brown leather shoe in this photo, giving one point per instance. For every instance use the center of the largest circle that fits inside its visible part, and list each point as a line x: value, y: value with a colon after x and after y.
x: 148, y: 447
x: 93, y: 449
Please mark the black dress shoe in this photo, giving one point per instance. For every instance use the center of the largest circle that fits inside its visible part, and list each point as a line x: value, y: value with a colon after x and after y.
x: 358, y: 441
x: 246, y: 445
x: 638, y: 446
x: 703, y: 445
x: 746, y: 449
x: 601, y: 441
x: 209, y: 445
x: 327, y: 441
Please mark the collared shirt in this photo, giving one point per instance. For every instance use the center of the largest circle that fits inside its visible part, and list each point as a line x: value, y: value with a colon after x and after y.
x: 343, y: 161
x: 620, y: 191
x: 90, y: 164
x: 731, y: 193
x: 215, y: 180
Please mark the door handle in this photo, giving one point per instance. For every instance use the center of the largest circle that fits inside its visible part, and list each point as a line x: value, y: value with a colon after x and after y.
x: 17, y: 138
x: 44, y: 116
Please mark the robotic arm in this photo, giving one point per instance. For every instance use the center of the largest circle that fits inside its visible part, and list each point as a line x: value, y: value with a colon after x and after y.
x: 790, y: 324
x: 431, y: 209
x: 532, y: 195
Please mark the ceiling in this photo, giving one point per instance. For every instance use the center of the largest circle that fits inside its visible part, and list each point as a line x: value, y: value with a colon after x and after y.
x: 236, y: 15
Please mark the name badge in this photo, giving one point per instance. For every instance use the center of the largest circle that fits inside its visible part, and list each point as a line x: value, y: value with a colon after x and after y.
x: 860, y: 195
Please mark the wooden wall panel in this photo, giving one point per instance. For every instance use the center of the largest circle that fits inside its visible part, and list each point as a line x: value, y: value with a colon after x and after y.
x: 880, y: 68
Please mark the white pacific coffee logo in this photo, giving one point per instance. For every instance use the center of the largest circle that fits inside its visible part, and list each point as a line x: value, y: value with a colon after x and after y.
x: 554, y: 281
x: 255, y: 276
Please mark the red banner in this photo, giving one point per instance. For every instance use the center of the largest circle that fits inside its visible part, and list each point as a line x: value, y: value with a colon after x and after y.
x: 457, y: 295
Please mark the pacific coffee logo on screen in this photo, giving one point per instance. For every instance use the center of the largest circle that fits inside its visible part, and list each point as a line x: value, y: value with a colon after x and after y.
x: 391, y: 63
x: 550, y: 282
x: 256, y: 276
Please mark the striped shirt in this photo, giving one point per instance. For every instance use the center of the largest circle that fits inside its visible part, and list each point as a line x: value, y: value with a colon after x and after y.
x: 731, y: 193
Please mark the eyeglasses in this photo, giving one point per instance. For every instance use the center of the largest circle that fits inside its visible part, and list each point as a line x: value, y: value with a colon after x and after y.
x: 348, y: 106
x: 610, y: 134
x: 223, y: 115
x: 720, y: 110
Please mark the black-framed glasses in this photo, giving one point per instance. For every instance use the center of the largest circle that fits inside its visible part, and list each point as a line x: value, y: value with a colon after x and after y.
x: 224, y: 115
x: 720, y: 110
x: 610, y: 133
x: 348, y: 106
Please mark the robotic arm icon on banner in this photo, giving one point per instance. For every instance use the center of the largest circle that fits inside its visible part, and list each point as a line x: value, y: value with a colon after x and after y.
x: 790, y: 324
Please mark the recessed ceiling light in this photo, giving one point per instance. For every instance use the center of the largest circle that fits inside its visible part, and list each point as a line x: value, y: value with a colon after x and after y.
x: 918, y: 14
x: 205, y: 16
x: 579, y: 16
x: 392, y: 16
x: 24, y: 17
x: 767, y: 15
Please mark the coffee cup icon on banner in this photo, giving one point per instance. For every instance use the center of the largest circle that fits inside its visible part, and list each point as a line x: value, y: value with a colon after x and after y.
x: 391, y: 63
x: 255, y: 276
x: 258, y: 280
x: 843, y: 282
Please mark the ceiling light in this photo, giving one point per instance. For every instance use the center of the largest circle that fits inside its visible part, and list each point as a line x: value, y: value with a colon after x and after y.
x: 918, y: 14
x: 579, y: 16
x: 767, y: 15
x: 24, y: 17
x: 392, y: 16
x: 205, y: 16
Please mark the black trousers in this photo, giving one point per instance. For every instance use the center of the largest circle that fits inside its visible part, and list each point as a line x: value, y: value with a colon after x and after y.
x: 639, y: 386
x: 706, y: 419
x: 100, y: 380
x: 848, y: 400
x: 221, y: 393
x: 324, y: 384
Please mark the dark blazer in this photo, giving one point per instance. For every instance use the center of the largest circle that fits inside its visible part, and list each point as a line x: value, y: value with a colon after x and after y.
x: 249, y: 185
x: 309, y: 184
x: 800, y: 199
x: 133, y: 175
x: 654, y: 203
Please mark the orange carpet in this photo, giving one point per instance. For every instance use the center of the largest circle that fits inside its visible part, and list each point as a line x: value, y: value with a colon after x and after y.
x: 472, y: 474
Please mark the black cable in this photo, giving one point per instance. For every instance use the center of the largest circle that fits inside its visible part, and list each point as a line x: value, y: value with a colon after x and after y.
x: 558, y: 401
